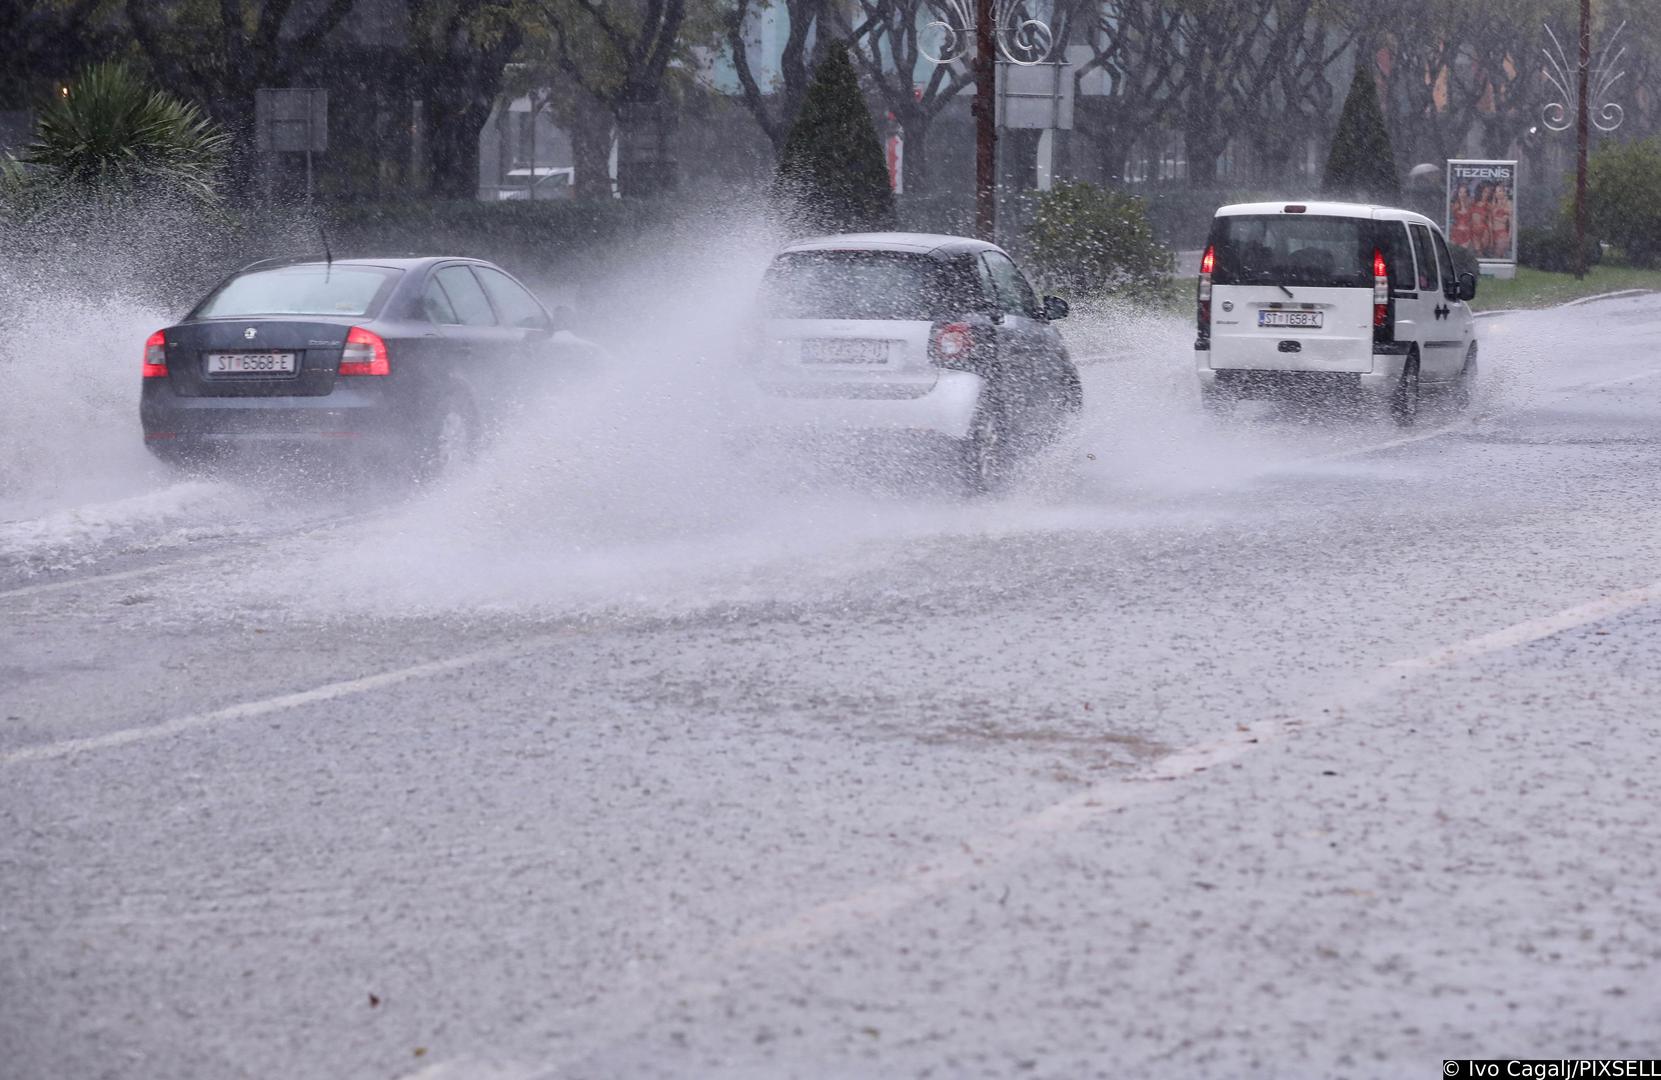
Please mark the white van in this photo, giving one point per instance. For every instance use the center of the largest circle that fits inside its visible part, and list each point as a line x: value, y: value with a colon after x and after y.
x: 1335, y: 298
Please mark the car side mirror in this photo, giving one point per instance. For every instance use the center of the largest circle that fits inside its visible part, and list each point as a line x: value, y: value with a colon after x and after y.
x: 1055, y: 308
x: 1467, y: 286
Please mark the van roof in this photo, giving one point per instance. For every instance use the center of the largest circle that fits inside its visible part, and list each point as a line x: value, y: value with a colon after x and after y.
x: 1326, y: 209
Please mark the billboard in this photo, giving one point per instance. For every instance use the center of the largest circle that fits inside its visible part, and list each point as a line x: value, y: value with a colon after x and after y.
x: 1482, y: 209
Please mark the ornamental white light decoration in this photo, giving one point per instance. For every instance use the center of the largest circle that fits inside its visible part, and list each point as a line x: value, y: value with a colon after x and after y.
x: 1020, y: 38
x: 1605, y: 114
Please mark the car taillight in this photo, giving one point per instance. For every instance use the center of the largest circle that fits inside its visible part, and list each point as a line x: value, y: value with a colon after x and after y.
x: 1381, y: 292
x: 364, y: 354
x: 155, y: 356
x: 951, y: 345
x: 1203, y: 314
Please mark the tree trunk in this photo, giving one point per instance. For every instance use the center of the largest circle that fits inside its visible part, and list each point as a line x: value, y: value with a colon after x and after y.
x: 914, y: 166
x: 591, y: 148
x: 644, y: 166
x: 1203, y: 147
x: 453, y: 148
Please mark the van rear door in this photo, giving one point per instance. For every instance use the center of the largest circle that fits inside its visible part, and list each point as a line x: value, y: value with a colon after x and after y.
x: 1292, y: 292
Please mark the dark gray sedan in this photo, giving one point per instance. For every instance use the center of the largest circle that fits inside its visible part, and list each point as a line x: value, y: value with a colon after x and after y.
x: 408, y: 361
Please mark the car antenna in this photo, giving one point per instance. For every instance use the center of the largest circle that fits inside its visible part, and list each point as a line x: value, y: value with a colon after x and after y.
x: 328, y: 256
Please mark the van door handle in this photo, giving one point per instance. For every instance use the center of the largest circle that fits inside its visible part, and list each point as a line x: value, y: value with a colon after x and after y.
x: 1443, y: 311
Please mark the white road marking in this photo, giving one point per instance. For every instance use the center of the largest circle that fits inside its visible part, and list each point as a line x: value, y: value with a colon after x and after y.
x: 1532, y: 630
x: 265, y: 707
x: 1405, y: 440
x: 187, y: 560
x: 120, y: 575
x: 1466, y: 422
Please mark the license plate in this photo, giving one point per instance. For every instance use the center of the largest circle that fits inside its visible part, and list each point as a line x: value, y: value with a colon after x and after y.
x: 250, y: 363
x: 844, y: 351
x: 1304, y: 320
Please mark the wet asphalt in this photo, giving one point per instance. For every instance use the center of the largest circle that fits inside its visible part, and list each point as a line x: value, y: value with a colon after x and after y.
x: 1158, y: 766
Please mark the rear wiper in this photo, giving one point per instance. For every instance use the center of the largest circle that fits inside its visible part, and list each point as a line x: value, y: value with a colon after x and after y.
x: 1284, y: 289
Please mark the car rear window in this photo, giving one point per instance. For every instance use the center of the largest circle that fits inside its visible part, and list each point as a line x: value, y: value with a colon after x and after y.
x: 301, y: 290
x: 858, y: 285
x: 1302, y: 249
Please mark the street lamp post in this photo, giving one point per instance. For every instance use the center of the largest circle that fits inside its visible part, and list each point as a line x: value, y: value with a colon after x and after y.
x: 986, y: 126
x: 1582, y: 138
x: 1589, y: 90
x: 995, y: 28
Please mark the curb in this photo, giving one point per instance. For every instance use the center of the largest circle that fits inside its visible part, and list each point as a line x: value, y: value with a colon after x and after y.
x: 1619, y: 294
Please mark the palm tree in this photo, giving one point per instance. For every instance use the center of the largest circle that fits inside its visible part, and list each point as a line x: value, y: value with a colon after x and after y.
x: 113, y: 132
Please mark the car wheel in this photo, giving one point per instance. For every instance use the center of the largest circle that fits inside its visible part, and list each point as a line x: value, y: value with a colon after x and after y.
x: 450, y: 442
x: 1464, y: 390
x: 1404, y: 400
x: 1052, y: 420
x: 985, y: 452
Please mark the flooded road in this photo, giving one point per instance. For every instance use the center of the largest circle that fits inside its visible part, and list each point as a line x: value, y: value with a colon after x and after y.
x: 1280, y: 746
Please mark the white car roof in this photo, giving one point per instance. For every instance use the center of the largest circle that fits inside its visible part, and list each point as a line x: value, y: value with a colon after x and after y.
x: 920, y: 243
x: 1327, y: 209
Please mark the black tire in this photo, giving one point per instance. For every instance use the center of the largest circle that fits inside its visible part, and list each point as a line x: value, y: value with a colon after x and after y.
x: 1464, y: 389
x: 449, y: 440
x: 984, y: 453
x: 1405, y: 398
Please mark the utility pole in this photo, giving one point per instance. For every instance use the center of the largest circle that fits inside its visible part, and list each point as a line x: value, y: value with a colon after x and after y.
x: 986, y: 119
x: 1582, y: 136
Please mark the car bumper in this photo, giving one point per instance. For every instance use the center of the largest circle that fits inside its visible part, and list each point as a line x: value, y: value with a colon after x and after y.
x: 346, y: 414
x: 948, y: 408
x: 1264, y: 382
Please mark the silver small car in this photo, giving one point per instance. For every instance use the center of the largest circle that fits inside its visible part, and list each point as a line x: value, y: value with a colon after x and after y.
x: 915, y: 332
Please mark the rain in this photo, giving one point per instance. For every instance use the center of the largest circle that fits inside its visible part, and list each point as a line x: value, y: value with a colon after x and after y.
x: 829, y: 538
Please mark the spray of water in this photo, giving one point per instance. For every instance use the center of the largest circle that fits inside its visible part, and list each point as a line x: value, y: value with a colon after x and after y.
x: 86, y: 282
x: 640, y: 484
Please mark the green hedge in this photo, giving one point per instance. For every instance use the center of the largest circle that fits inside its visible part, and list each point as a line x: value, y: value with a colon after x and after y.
x: 525, y: 236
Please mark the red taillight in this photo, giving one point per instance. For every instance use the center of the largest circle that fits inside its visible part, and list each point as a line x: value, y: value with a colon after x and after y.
x: 952, y: 344
x: 364, y: 354
x: 155, y: 356
x: 1381, y: 291
x: 1203, y: 312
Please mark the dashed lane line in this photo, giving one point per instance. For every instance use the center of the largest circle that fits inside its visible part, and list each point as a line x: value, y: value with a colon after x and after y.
x: 170, y: 564
x: 265, y: 707
x: 1467, y: 422
x: 96, y: 579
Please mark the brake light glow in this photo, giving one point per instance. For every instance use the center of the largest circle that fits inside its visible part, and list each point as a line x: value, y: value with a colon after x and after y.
x: 364, y: 354
x: 155, y: 356
x: 1381, y: 291
x: 1203, y: 297
x: 952, y: 344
